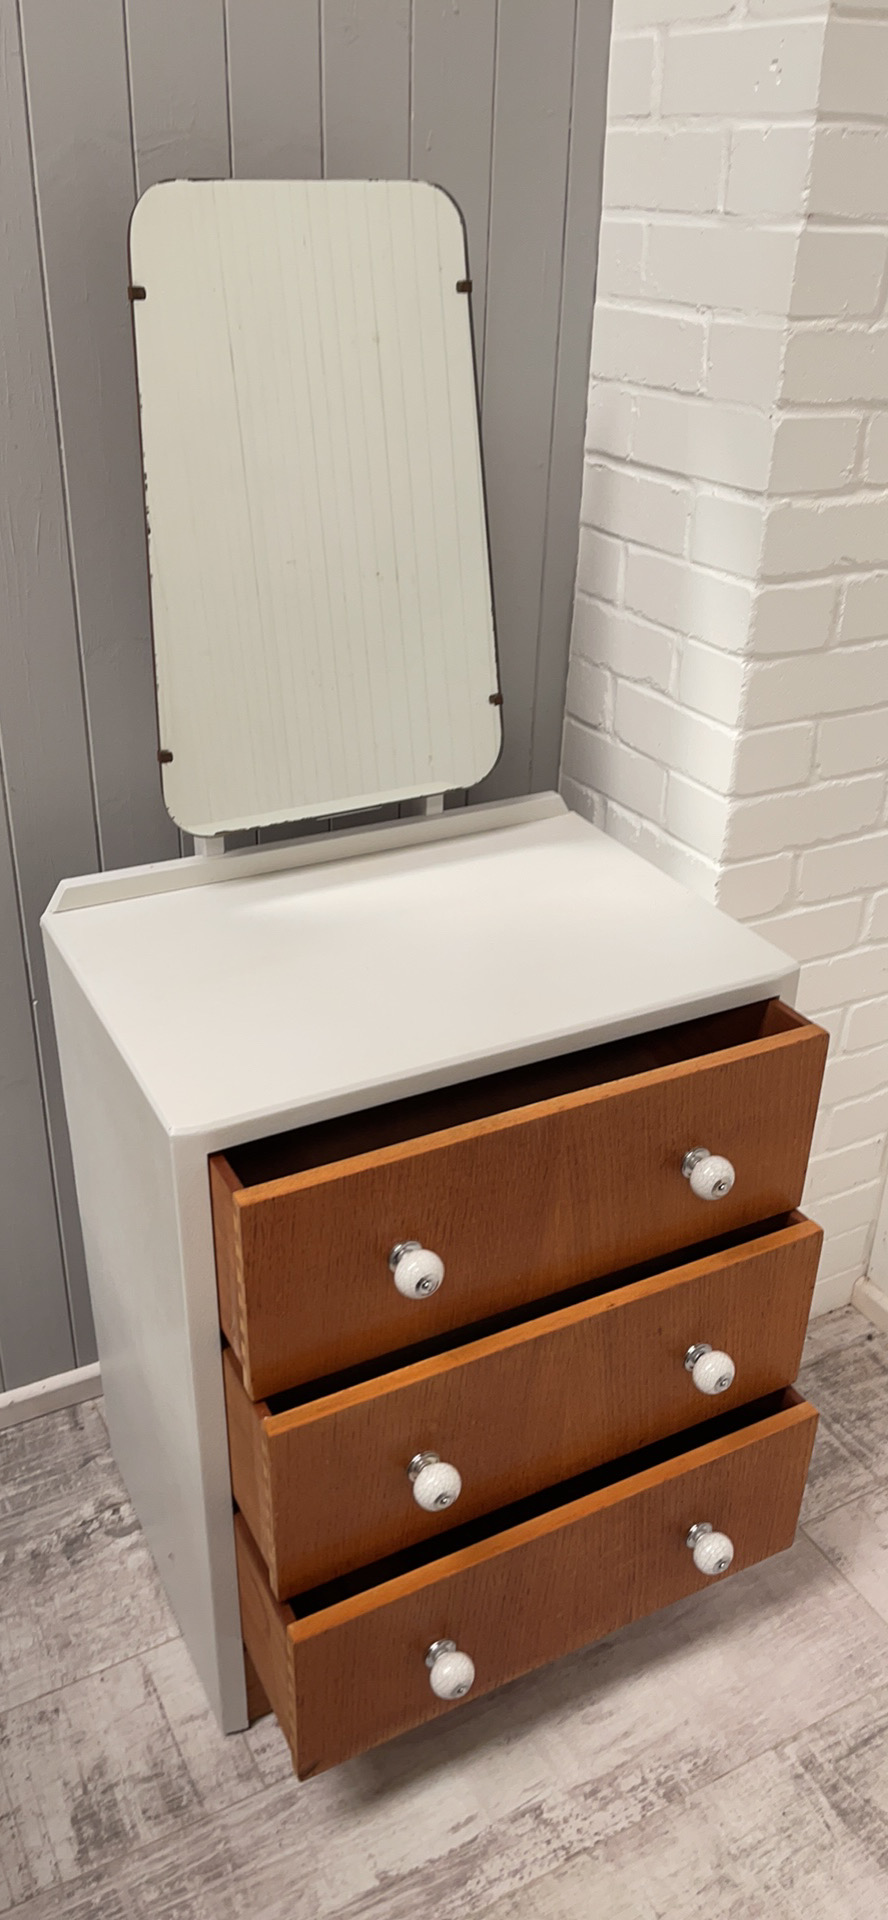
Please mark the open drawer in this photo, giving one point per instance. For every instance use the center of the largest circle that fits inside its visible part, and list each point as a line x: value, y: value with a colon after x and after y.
x: 521, y: 1183
x: 346, y: 1667
x: 323, y: 1483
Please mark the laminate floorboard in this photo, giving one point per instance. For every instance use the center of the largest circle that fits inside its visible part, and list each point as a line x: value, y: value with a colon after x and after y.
x: 728, y: 1756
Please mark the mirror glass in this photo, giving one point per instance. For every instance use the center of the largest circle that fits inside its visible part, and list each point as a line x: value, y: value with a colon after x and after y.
x: 320, y: 583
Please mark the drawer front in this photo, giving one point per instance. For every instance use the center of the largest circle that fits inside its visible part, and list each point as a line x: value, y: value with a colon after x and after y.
x: 324, y: 1487
x: 346, y: 1678
x: 517, y: 1204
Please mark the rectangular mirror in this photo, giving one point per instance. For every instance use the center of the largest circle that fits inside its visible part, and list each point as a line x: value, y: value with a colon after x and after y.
x: 320, y: 581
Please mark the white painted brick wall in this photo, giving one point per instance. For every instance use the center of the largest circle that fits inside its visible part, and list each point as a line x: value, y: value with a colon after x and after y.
x: 728, y: 695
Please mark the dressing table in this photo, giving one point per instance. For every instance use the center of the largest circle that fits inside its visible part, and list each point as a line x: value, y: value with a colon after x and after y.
x: 439, y: 1175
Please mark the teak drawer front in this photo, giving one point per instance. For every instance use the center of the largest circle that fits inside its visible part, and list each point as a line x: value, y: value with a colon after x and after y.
x: 347, y: 1677
x: 519, y: 1204
x: 324, y: 1487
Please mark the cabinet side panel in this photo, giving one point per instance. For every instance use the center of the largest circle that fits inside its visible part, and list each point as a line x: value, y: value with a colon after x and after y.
x: 156, y: 1319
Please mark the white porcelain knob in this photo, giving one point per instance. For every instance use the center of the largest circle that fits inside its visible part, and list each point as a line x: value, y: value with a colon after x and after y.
x: 711, y: 1370
x: 713, y: 1552
x: 451, y: 1673
x: 711, y: 1176
x: 436, y: 1484
x: 418, y: 1273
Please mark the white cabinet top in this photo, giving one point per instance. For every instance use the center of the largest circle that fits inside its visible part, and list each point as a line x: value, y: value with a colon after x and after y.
x: 288, y: 984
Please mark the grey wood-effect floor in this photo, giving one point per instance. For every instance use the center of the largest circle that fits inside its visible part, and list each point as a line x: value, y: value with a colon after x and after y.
x: 728, y: 1757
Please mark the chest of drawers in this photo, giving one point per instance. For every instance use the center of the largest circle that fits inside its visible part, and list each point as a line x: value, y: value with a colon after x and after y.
x: 439, y: 1188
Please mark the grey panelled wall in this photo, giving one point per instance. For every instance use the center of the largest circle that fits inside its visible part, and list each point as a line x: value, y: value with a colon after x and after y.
x: 500, y: 101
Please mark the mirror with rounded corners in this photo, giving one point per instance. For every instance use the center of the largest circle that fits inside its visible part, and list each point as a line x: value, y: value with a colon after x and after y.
x: 320, y: 581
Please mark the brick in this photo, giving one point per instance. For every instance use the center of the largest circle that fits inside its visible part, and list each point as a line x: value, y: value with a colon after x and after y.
x: 865, y: 609
x: 653, y: 349
x: 814, y: 452
x: 852, y: 866
x: 875, y: 465
x: 775, y: 821
x: 868, y: 1024
x: 611, y: 415
x: 784, y: 9
x: 853, y: 1074
x: 843, y: 1253
x: 630, y: 81
x: 748, y: 888
x: 727, y: 532
x: 813, y: 932
x: 842, y: 981
x: 857, y: 1119
x: 853, y: 742
x: 711, y: 682
x: 843, y: 1211
x: 621, y: 247
x: 836, y: 363
x: 635, y: 505
x: 650, y: 13
x: 676, y: 170
x: 838, y: 272
x: 806, y: 685
x: 849, y: 172
x: 705, y: 439
x: 759, y: 71
x: 589, y: 692
x: 670, y: 733
x: 600, y: 564
x: 878, y: 925
x: 696, y: 816
x: 710, y: 606
x: 615, y: 638
x: 848, y: 1167
x: 768, y: 170
x: 745, y: 361
x: 591, y: 806
x: 606, y: 766
x: 793, y: 616
x: 810, y: 536
x: 721, y: 265
x: 854, y: 78
x: 774, y: 757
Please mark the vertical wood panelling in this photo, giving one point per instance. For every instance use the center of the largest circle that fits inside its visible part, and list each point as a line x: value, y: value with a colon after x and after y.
x: 586, y: 160
x: 35, y: 1329
x: 274, y: 64
x: 365, y: 104
x: 532, y: 97
x: 499, y: 101
x: 47, y: 776
x: 452, y: 120
x: 77, y: 81
x: 179, y: 90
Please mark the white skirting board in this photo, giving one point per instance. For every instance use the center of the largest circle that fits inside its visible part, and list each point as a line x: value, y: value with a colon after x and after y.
x: 831, y: 1292
x: 47, y: 1396
x: 871, y: 1301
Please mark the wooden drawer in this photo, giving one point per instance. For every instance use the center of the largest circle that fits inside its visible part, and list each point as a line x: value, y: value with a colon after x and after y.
x: 524, y: 1183
x: 344, y: 1669
x: 323, y: 1484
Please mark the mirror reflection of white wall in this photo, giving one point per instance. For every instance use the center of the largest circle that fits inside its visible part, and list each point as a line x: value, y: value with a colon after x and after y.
x: 320, y: 583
